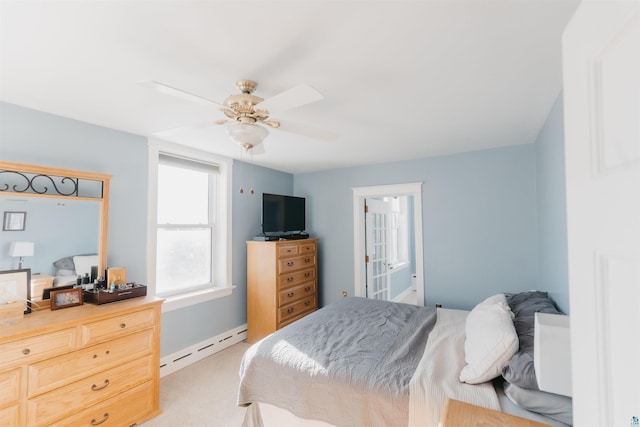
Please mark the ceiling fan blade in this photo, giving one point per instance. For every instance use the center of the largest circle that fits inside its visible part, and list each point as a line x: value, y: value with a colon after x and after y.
x: 172, y: 91
x: 309, y: 131
x: 291, y: 98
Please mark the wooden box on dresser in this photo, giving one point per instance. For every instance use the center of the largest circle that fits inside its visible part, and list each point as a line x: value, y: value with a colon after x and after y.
x: 82, y: 366
x: 282, y: 284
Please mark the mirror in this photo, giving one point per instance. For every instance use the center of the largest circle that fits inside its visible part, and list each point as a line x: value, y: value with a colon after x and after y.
x: 63, y: 212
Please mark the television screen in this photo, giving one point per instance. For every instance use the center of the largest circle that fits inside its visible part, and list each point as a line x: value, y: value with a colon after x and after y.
x: 294, y: 214
x: 282, y: 214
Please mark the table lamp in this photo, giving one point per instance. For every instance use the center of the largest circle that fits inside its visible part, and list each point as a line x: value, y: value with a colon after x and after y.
x: 21, y: 249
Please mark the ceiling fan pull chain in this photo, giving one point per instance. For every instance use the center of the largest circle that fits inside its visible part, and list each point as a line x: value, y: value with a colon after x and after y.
x: 251, y: 172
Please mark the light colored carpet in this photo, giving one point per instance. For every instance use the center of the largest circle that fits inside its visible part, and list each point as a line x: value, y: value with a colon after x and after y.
x: 203, y: 394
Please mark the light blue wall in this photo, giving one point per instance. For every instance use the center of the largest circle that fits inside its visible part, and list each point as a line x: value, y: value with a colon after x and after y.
x: 552, y: 210
x: 480, y: 214
x: 479, y: 222
x: 30, y: 136
x: 400, y: 281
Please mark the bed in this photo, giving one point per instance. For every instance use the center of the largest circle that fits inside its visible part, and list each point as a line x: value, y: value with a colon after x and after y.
x: 362, y: 362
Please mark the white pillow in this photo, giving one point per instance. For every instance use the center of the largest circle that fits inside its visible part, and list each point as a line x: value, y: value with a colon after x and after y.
x: 83, y: 264
x: 491, y: 340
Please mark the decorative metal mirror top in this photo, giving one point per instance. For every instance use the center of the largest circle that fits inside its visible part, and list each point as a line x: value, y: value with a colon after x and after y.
x: 18, y: 179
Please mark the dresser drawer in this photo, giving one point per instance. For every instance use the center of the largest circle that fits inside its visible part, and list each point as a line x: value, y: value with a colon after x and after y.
x: 114, y: 327
x: 295, y: 278
x: 49, y: 407
x: 62, y: 370
x: 285, y: 251
x: 293, y: 264
x: 10, y: 387
x: 10, y: 416
x: 38, y: 347
x: 307, y: 248
x: 118, y: 411
x: 293, y: 310
x: 296, y: 293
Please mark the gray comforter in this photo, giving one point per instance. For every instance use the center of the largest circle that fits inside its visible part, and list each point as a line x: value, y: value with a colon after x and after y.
x: 349, y: 363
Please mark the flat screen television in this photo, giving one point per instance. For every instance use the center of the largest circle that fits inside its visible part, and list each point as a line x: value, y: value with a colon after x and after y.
x: 282, y: 214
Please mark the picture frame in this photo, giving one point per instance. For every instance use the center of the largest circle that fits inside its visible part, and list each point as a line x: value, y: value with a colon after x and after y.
x: 14, y: 221
x: 65, y: 298
x: 15, y: 285
x: 116, y: 275
x: 46, y: 292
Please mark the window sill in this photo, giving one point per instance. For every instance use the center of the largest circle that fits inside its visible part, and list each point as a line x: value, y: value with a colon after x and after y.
x: 176, y: 302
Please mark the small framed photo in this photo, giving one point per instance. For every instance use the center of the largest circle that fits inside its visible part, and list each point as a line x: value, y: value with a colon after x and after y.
x: 15, y: 286
x: 14, y: 221
x: 116, y: 275
x: 66, y: 298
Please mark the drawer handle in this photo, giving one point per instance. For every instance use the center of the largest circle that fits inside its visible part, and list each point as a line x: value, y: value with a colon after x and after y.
x: 26, y: 351
x: 289, y: 279
x: 307, y: 274
x: 123, y: 325
x: 96, y: 388
x: 290, y: 310
x: 290, y: 263
x: 307, y: 302
x: 105, y: 417
x: 290, y: 294
x: 307, y: 288
x: 289, y: 251
x: 307, y: 260
x: 95, y: 356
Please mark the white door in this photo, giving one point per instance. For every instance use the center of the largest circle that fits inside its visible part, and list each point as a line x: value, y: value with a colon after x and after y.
x: 377, y: 228
x: 601, y: 54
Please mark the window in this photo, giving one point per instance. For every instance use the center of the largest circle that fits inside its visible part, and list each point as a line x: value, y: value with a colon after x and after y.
x: 190, y: 240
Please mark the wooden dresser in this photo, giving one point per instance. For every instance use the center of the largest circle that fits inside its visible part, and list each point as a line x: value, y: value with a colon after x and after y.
x: 82, y: 366
x: 282, y: 284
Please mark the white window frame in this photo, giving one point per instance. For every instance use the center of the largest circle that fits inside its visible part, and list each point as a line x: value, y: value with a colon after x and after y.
x: 223, y: 262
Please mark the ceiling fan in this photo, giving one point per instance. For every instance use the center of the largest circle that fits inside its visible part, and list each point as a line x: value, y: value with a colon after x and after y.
x: 248, y: 115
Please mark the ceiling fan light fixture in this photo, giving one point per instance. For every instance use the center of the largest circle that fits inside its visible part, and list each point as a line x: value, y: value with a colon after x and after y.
x: 246, y: 134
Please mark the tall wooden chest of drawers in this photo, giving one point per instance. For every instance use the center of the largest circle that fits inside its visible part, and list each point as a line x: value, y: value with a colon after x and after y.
x: 82, y: 366
x: 282, y: 284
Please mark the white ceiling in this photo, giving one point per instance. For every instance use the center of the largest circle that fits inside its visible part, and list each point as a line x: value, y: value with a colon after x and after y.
x: 401, y: 79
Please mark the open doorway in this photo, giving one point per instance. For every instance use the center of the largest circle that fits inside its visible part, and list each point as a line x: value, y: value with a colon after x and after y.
x: 374, y: 278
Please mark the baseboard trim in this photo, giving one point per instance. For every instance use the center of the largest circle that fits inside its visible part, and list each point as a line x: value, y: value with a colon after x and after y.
x: 190, y: 355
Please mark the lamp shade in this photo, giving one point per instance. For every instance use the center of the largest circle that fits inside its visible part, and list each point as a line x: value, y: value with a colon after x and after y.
x: 552, y: 353
x: 247, y: 133
x: 21, y: 249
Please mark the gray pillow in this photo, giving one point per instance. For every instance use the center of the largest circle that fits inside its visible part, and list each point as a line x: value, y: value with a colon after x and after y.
x: 67, y: 263
x: 554, y: 406
x: 520, y: 370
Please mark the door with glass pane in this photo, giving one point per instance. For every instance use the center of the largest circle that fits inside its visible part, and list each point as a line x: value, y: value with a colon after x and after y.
x: 377, y: 226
